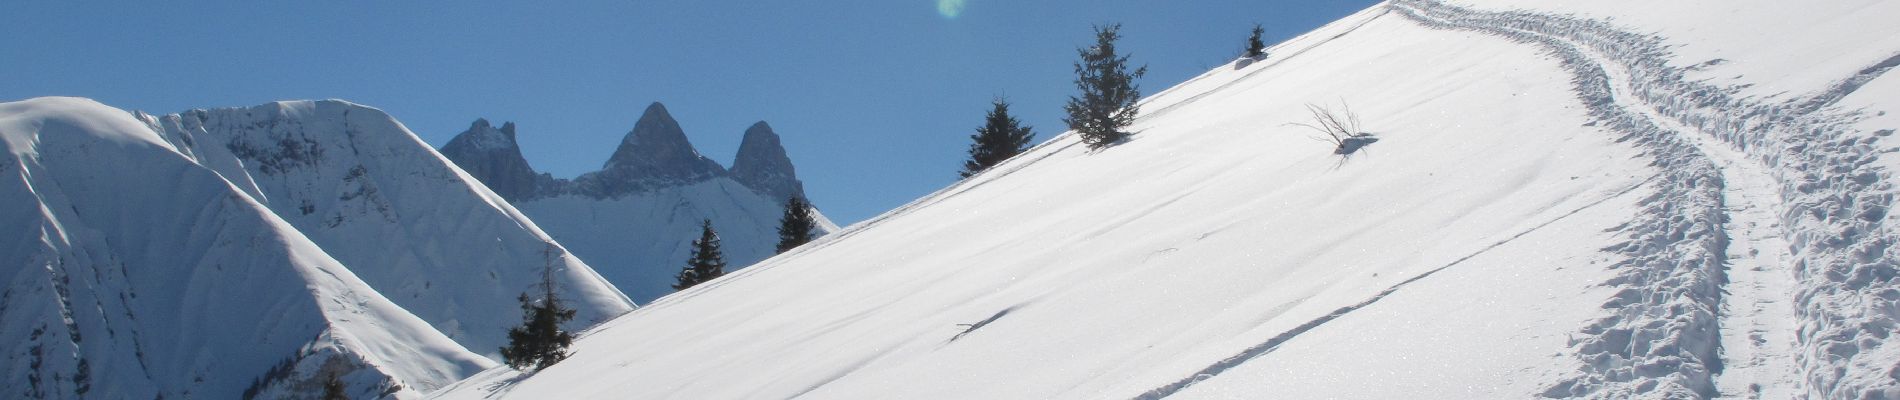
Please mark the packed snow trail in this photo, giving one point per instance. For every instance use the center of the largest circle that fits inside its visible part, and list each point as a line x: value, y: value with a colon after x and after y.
x: 1835, y: 203
x: 1660, y: 339
x: 1757, y: 317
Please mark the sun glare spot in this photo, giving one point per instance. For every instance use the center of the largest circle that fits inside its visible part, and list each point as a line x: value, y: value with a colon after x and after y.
x: 950, y: 8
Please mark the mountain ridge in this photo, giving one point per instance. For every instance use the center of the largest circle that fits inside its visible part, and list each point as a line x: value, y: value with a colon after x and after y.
x: 399, y: 214
x: 655, y: 154
x: 106, y: 304
x: 635, y: 218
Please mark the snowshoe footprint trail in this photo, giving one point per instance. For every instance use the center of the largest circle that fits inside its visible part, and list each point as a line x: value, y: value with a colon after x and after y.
x: 1825, y: 175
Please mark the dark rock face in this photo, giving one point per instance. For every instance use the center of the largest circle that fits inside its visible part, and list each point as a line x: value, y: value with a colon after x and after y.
x: 493, y: 157
x: 763, y: 166
x: 654, y: 155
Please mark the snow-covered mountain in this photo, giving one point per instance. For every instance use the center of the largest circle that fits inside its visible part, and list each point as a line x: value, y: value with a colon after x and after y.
x: 400, y: 216
x: 133, y: 271
x: 1568, y: 199
x: 636, y: 217
x: 249, y: 252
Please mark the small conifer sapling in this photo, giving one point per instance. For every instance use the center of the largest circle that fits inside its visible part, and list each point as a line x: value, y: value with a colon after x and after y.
x: 539, y: 342
x: 706, y: 263
x: 1256, y: 48
x: 797, y: 226
x: 1002, y: 136
x: 1106, y: 104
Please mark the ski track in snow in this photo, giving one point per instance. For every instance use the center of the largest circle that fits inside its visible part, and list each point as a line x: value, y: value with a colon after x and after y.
x: 1790, y: 160
x: 1273, y: 343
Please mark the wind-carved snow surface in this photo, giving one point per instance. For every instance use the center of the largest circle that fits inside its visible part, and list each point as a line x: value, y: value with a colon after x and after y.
x: 1834, y: 202
x: 130, y: 271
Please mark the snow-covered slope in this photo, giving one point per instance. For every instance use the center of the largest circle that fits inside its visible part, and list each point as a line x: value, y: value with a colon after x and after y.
x: 1786, y: 100
x: 399, y: 215
x: 1558, y: 206
x: 132, y: 272
x: 635, y: 219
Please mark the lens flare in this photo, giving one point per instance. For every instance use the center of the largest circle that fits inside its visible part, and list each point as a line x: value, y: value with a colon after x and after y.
x: 950, y: 8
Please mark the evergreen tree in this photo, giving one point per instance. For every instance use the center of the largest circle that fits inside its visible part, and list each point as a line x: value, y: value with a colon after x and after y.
x: 706, y: 263
x: 797, y: 226
x: 1000, y: 138
x: 539, y: 342
x: 1255, y: 47
x: 333, y: 389
x: 1107, y: 101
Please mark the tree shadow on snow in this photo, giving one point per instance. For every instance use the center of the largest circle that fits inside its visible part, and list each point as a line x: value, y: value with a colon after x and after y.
x: 502, y: 387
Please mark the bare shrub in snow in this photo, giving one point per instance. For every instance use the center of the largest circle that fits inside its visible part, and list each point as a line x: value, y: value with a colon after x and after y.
x: 1341, y: 128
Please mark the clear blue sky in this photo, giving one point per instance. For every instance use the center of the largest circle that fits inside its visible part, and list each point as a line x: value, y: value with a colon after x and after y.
x: 875, y: 99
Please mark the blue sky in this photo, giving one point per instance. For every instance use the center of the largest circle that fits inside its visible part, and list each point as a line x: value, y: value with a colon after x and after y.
x: 875, y: 99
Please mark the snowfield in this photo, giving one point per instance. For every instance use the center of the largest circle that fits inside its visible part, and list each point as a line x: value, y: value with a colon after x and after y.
x: 1563, y: 202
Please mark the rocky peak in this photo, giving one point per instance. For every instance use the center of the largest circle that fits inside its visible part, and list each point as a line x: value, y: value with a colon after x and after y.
x: 656, y: 153
x: 763, y: 166
x: 658, y: 143
x: 493, y: 157
x: 482, y: 135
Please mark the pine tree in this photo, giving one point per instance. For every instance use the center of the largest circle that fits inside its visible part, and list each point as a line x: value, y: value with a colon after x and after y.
x: 706, y: 263
x: 1000, y: 137
x: 539, y: 342
x: 797, y: 226
x: 333, y: 389
x: 1255, y: 47
x: 1107, y: 101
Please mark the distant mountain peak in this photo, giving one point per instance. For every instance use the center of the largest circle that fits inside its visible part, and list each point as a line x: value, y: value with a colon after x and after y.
x: 656, y: 141
x: 656, y: 153
x: 493, y: 157
x: 483, y: 135
x: 634, y: 217
x: 763, y: 165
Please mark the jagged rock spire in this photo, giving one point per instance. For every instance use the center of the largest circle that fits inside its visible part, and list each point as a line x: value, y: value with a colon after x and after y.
x: 656, y: 153
x: 657, y: 142
x: 763, y: 166
x: 493, y: 157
